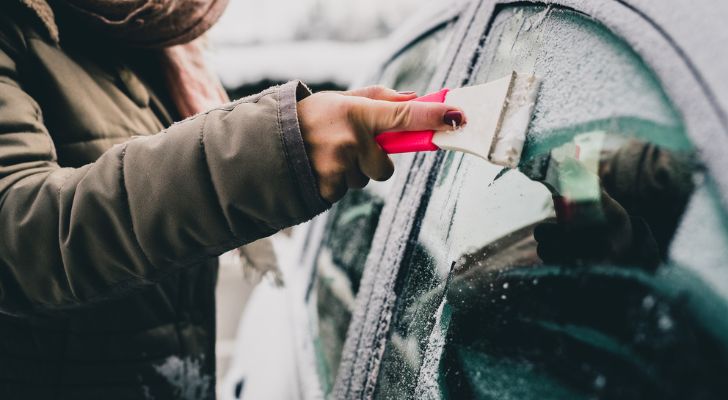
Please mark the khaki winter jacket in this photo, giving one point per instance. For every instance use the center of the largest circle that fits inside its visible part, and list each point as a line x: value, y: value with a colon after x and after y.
x: 108, y: 229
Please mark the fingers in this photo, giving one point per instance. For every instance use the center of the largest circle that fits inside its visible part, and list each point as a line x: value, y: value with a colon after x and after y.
x: 374, y: 163
x: 355, y: 179
x: 344, y: 172
x: 381, y: 93
x: 333, y: 188
x: 376, y: 116
x: 391, y: 110
x: 331, y: 169
x: 339, y: 139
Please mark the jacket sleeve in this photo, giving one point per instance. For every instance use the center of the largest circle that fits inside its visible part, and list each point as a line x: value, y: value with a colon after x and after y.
x: 208, y: 184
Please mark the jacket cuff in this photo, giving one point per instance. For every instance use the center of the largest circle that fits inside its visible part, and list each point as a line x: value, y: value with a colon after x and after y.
x: 288, y: 96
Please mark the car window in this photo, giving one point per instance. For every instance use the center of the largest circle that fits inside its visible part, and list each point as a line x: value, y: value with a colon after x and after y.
x: 587, y: 272
x: 414, y: 66
x: 353, y: 220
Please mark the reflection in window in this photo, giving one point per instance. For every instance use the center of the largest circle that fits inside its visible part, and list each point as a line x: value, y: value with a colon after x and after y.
x: 561, y: 279
x: 353, y: 220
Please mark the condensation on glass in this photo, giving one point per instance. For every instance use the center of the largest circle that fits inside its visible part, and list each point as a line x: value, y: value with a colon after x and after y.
x: 594, y: 270
x: 352, y: 222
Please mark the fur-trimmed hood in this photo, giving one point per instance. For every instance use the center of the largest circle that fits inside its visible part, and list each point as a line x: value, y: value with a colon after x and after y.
x: 43, y: 10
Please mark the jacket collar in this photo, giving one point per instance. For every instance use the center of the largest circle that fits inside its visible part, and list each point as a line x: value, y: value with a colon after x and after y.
x: 44, y: 12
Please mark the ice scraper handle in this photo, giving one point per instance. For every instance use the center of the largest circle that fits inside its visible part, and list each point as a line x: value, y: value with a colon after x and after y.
x: 411, y: 141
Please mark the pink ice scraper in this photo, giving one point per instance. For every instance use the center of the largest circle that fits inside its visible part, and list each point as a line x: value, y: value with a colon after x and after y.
x: 498, y: 114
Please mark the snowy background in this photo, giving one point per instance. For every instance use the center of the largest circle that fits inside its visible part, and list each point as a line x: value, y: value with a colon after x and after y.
x: 325, y: 43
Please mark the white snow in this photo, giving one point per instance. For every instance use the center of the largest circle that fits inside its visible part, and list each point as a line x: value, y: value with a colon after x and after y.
x: 264, y: 350
x: 317, y: 41
x: 186, y: 376
x: 316, y: 61
x: 248, y: 22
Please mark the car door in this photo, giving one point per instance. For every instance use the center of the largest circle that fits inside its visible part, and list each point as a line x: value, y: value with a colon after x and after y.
x: 344, y: 238
x: 594, y: 270
x: 293, y: 334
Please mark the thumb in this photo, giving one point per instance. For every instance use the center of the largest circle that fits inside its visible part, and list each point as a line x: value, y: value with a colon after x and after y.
x: 378, y: 116
x: 381, y: 93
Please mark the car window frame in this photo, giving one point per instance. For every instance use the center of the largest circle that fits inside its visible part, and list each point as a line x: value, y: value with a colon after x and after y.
x: 365, y: 335
x: 704, y: 123
x: 311, y: 235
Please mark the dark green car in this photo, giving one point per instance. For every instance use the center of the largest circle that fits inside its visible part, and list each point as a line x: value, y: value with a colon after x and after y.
x: 596, y: 270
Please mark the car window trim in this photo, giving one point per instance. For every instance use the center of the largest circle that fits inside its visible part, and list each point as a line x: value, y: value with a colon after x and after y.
x: 311, y: 248
x: 354, y: 368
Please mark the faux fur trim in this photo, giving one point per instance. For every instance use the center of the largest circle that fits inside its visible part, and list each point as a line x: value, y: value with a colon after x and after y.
x: 43, y: 10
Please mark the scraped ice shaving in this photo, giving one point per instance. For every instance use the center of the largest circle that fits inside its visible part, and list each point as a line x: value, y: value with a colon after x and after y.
x: 427, y: 383
x: 536, y: 20
x: 511, y: 136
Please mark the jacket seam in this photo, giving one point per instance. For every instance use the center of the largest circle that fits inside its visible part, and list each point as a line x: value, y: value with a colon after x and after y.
x: 127, y: 203
x: 52, y: 156
x: 119, y: 138
x: 62, y: 185
x: 65, y: 180
x: 229, y: 106
x: 201, y: 138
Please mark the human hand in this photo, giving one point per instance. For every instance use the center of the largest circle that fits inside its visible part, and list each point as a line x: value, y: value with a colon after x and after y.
x: 338, y: 131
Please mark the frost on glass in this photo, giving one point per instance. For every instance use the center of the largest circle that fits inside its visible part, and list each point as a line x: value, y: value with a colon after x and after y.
x: 339, y: 267
x: 353, y: 220
x: 415, y: 66
x: 576, y: 274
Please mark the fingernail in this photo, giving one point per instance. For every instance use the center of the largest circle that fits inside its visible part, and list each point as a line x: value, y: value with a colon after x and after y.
x: 407, y: 92
x: 453, y: 118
